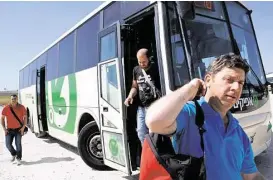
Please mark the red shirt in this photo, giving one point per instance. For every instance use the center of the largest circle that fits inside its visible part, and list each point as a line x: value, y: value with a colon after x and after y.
x: 12, y: 122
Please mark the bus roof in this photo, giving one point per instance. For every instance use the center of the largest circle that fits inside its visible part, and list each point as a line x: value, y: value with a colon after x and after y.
x: 98, y: 9
x: 95, y: 11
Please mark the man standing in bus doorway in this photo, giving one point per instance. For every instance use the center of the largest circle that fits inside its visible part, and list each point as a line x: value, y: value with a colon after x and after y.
x: 14, y: 128
x: 146, y: 84
x: 227, y: 148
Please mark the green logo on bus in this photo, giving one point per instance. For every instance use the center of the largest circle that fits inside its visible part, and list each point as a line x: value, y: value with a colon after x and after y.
x: 61, y: 101
x: 113, y: 146
x: 255, y: 101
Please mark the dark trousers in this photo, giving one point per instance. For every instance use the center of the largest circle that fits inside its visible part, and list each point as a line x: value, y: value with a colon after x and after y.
x: 14, y: 133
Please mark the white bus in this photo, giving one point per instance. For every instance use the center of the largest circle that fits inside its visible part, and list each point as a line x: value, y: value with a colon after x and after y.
x: 74, y: 90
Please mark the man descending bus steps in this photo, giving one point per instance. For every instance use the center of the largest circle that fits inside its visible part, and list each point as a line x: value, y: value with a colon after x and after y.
x: 146, y: 84
x: 227, y: 149
x: 14, y: 128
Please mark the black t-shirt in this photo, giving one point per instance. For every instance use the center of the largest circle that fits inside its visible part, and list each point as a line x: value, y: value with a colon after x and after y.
x: 145, y: 91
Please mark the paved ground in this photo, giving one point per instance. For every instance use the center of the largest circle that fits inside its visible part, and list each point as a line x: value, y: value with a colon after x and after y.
x: 51, y: 159
x: 264, y: 161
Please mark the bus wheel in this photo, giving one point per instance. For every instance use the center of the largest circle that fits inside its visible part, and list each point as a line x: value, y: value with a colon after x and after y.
x: 89, y: 146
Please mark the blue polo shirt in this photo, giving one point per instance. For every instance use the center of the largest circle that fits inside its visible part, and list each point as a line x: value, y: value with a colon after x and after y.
x: 227, y: 154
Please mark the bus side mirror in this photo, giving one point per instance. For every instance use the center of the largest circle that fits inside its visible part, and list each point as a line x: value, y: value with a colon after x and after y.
x: 186, y: 9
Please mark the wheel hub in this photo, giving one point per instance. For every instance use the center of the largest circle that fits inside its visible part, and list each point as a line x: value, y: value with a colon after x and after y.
x: 95, y: 146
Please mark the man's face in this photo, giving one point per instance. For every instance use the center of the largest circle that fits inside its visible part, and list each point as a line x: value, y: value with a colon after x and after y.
x: 14, y: 99
x: 226, y: 86
x: 143, y: 61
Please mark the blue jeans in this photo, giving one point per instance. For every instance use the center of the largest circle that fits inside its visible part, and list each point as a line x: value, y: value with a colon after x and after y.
x: 9, y: 140
x: 142, y: 129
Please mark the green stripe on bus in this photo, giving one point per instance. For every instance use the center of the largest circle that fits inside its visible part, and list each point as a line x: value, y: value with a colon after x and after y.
x: 59, y: 103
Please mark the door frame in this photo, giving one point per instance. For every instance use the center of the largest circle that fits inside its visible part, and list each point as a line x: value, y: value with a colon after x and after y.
x: 43, y: 104
x: 119, y: 123
x: 38, y: 99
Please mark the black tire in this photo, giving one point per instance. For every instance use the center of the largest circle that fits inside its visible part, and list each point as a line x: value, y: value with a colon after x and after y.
x: 89, y: 131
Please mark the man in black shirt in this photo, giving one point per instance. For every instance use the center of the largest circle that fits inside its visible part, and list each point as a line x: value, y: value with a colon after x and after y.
x: 146, y: 84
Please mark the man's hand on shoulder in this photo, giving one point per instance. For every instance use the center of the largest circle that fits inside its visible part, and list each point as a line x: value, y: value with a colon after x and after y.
x: 198, y: 87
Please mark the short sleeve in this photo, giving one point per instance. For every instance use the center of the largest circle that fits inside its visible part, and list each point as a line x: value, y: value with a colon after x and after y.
x: 248, y: 165
x: 4, y: 111
x: 183, y: 118
x: 182, y: 122
x: 24, y: 110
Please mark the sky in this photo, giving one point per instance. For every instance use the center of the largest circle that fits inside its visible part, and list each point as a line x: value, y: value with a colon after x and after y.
x: 27, y: 28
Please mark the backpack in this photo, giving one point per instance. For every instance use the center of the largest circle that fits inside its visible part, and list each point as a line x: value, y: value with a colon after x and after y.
x: 160, y: 162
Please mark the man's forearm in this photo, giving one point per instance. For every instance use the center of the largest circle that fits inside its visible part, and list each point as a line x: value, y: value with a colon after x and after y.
x: 3, y: 123
x: 25, y: 121
x: 163, y: 113
x: 133, y: 92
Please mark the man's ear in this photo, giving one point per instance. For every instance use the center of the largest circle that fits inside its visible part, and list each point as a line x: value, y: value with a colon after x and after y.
x: 208, y: 79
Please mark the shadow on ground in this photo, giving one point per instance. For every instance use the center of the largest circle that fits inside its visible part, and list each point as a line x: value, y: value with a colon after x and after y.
x: 47, y: 160
x: 51, y: 140
x: 133, y: 177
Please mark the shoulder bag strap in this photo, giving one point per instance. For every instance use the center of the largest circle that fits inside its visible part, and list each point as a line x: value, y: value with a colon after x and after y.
x: 199, y: 121
x: 16, y: 116
x: 148, y: 80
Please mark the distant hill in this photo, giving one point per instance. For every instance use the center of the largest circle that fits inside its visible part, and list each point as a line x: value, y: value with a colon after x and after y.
x: 7, y: 93
x: 5, y: 97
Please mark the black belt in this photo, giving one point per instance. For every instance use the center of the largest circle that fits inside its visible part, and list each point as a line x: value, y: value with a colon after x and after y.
x: 14, y: 129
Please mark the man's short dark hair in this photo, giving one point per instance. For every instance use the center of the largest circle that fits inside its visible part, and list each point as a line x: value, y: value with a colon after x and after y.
x: 229, y: 60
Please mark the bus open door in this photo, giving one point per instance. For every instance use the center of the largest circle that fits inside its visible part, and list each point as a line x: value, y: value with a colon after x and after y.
x: 40, y: 127
x: 111, y: 97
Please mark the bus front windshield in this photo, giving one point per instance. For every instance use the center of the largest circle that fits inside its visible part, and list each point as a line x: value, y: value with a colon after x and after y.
x: 245, y: 39
x: 209, y: 36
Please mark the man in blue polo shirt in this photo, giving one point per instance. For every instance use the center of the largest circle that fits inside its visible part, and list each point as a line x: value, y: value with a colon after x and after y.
x: 228, y: 152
